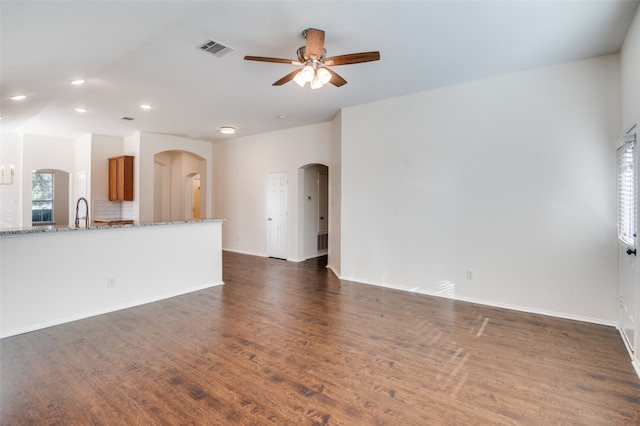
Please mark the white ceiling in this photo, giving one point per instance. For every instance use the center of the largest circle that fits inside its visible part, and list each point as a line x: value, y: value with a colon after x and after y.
x: 133, y: 52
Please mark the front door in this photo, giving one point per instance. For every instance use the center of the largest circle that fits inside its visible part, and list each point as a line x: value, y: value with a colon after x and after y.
x: 277, y: 215
x: 628, y: 296
x: 627, y: 235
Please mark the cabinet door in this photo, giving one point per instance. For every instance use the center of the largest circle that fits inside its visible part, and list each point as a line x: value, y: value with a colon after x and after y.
x: 113, y: 179
x: 127, y: 186
x: 121, y: 178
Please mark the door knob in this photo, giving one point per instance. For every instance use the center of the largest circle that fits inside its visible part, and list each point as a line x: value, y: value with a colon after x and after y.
x: 268, y: 218
x: 631, y: 252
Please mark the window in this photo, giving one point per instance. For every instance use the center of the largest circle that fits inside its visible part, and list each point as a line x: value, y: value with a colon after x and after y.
x: 627, y: 192
x: 42, y: 197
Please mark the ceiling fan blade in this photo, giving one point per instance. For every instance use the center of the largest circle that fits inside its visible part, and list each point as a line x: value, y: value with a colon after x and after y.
x: 265, y: 59
x: 315, y: 43
x: 353, y: 58
x: 336, y: 80
x: 287, y: 78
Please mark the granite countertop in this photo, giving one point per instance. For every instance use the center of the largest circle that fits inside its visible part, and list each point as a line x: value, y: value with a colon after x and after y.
x: 106, y: 225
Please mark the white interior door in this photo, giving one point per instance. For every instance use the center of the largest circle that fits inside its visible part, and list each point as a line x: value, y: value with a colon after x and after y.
x: 277, y: 215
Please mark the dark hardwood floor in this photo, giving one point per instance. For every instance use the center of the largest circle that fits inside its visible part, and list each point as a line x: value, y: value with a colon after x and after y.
x: 287, y: 343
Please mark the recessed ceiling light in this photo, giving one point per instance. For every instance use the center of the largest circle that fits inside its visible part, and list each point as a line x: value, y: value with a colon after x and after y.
x: 227, y: 130
x: 145, y: 106
x: 18, y: 97
x: 81, y: 109
x: 77, y: 82
x: 282, y: 117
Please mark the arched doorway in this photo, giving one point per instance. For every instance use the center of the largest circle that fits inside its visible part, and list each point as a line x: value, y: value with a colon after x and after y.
x: 50, y: 197
x: 177, y: 174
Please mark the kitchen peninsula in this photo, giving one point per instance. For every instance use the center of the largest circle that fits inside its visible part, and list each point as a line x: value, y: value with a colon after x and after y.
x: 52, y: 275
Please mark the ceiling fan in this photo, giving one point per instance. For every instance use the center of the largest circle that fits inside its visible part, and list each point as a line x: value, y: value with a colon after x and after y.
x: 312, y: 58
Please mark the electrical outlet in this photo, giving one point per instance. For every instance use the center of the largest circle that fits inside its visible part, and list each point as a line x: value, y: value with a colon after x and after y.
x: 469, y: 274
x: 111, y: 283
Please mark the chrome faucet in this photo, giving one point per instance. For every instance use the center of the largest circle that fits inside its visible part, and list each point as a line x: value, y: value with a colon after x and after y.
x: 86, y: 218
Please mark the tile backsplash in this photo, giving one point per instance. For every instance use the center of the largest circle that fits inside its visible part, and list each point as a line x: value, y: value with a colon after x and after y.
x: 103, y: 209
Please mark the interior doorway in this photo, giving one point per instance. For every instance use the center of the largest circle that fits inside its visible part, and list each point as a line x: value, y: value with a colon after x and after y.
x: 179, y: 186
x: 50, y: 197
x: 314, y: 208
x: 195, y: 197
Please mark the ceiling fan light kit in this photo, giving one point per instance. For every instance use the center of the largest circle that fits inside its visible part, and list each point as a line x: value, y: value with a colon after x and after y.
x: 312, y: 58
x: 323, y: 75
x: 299, y: 80
x: 308, y: 73
x: 316, y: 83
x: 316, y: 76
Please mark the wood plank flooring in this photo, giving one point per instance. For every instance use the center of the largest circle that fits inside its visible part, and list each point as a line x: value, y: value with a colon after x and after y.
x: 286, y: 343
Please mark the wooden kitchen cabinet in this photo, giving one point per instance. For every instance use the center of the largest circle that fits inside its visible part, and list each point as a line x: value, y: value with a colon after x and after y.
x: 121, y: 178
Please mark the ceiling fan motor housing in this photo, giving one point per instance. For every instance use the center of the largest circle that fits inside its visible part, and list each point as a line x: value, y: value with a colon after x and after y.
x: 302, y: 52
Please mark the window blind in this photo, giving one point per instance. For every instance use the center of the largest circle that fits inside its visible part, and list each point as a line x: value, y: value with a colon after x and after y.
x: 627, y: 192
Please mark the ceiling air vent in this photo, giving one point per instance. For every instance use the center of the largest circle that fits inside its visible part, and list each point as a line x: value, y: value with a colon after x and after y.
x: 215, y: 47
x: 127, y: 118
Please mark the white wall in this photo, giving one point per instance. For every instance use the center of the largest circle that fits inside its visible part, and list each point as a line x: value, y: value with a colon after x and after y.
x: 142, y: 178
x: 161, y: 187
x: 147, y: 263
x: 102, y: 148
x: 62, y: 193
x: 11, y: 195
x: 512, y: 178
x: 81, y: 186
x: 240, y: 180
x: 630, y: 73
x: 335, y: 197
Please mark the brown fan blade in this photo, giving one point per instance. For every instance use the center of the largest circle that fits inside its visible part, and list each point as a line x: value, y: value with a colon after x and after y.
x: 287, y: 78
x: 315, y: 43
x: 353, y: 58
x: 265, y: 59
x: 336, y: 80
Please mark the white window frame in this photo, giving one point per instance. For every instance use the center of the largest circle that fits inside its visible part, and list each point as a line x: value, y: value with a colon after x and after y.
x: 40, y: 201
x: 627, y: 191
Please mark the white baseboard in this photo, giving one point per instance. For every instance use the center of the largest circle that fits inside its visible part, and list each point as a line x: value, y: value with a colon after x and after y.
x: 495, y: 304
x: 244, y: 252
x: 529, y: 310
x: 636, y: 366
x: 257, y: 254
x: 333, y: 269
